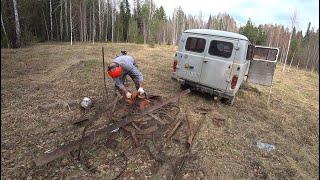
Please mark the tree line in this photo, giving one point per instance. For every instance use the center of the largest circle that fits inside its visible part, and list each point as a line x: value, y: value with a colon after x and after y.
x: 27, y: 21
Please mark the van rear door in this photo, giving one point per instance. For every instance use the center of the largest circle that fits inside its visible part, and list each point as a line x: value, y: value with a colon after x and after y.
x: 190, y: 57
x: 219, y: 58
x: 263, y: 65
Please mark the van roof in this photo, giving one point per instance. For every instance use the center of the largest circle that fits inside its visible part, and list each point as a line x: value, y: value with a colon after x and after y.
x: 217, y: 33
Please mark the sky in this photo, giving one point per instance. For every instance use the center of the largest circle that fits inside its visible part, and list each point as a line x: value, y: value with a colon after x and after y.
x: 260, y: 11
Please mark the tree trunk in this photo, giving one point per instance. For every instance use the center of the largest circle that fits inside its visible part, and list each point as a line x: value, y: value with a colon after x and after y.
x: 4, y: 30
x: 107, y: 23
x: 174, y: 31
x: 51, y: 32
x: 298, y: 63
x: 90, y: 23
x: 291, y: 60
x: 16, y: 18
x: 70, y: 24
x: 45, y: 24
x: 103, y: 18
x: 57, y: 30
x: 285, y: 60
x: 164, y: 34
x: 85, y: 21
x: 99, y: 10
x: 144, y: 32
x: 81, y: 21
x: 66, y: 16
x: 308, y: 58
x: 61, y: 22
x: 93, y: 24
x: 112, y: 21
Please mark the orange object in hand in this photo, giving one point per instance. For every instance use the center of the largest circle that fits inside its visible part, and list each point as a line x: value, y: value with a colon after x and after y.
x: 133, y: 98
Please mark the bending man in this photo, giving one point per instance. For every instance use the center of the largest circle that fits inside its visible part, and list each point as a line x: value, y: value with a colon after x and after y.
x: 121, y: 67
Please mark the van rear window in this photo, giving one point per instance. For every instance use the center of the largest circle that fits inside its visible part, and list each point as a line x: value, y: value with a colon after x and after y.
x: 195, y: 44
x: 220, y: 48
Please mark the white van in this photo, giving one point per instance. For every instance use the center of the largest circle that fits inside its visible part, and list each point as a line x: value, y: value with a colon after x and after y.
x: 218, y: 62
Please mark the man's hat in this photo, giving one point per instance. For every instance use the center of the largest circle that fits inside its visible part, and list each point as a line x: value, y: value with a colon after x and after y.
x: 114, y: 70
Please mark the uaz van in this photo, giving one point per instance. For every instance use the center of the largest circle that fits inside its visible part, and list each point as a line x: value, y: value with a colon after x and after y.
x: 218, y: 62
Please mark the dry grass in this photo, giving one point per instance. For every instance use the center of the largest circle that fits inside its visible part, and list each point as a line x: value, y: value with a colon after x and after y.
x: 43, y: 73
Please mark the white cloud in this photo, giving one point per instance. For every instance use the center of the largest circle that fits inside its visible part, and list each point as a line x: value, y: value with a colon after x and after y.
x: 261, y: 12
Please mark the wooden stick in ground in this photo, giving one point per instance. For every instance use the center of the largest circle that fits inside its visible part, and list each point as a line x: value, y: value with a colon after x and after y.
x: 104, y: 72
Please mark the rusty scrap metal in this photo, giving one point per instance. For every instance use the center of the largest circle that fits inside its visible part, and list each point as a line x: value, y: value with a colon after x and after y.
x: 155, y: 153
x: 148, y: 130
x: 202, y: 110
x: 133, y: 132
x: 73, y: 145
x: 179, y: 121
x: 189, y: 149
x: 161, y: 121
x: 191, y: 134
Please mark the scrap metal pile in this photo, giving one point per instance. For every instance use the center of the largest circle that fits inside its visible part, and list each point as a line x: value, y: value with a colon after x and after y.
x: 150, y: 127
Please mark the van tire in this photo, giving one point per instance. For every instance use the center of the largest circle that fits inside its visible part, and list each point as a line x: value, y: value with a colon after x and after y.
x: 228, y: 101
x: 184, y: 86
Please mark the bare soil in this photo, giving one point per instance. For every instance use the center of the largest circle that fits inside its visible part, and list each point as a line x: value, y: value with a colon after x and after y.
x: 224, y: 147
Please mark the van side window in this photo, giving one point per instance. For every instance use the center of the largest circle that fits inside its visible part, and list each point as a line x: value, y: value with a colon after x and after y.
x: 265, y: 54
x: 220, y: 48
x: 195, y: 44
x: 250, y: 52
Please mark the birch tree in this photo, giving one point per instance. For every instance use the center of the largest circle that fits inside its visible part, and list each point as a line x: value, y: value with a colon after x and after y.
x: 93, y: 24
x: 17, y: 23
x: 107, y: 23
x: 70, y: 23
x: 61, y: 22
x: 4, y: 30
x: 112, y: 20
x: 293, y: 22
x: 51, y: 32
x: 66, y: 16
x: 100, y: 24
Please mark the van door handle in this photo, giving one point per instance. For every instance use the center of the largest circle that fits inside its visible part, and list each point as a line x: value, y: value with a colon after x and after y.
x: 205, y: 61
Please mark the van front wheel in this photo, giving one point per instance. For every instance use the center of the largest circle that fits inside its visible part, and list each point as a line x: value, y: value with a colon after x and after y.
x: 184, y: 86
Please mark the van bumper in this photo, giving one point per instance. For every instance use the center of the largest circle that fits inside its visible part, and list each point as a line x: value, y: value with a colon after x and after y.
x: 204, y: 89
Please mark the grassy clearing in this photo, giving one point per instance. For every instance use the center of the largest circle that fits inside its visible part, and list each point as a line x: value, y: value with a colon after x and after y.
x: 44, y: 73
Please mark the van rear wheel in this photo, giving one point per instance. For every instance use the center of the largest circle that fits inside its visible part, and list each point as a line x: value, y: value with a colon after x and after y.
x: 228, y: 101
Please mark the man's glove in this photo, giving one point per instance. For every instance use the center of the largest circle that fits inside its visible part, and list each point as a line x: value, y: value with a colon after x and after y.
x: 129, y: 95
x: 140, y: 91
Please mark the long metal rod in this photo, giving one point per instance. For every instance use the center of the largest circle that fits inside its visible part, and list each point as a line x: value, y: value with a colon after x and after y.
x: 104, y: 72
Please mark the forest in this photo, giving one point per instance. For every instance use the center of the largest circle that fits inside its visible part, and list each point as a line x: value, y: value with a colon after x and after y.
x: 25, y: 22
